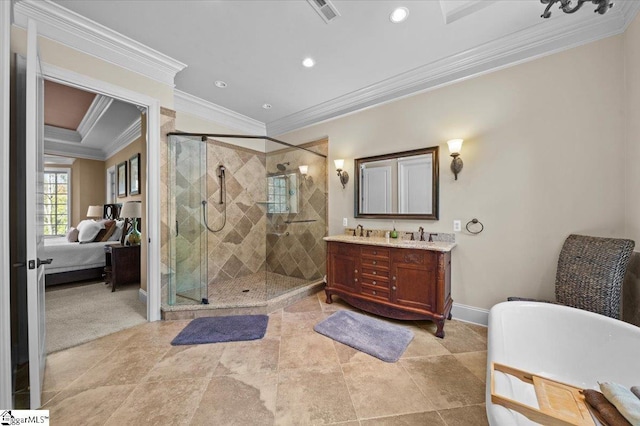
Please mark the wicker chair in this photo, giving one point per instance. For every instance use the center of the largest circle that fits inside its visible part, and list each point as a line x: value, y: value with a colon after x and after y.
x: 591, y: 272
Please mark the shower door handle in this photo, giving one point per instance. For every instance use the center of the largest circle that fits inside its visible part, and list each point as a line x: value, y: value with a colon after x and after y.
x: 177, y: 228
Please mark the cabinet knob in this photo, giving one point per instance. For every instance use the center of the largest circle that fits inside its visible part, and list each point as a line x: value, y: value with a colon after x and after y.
x: 393, y: 288
x: 375, y: 282
x: 356, y: 280
x: 375, y: 263
x: 394, y: 278
x: 374, y: 273
x: 375, y: 252
x: 374, y: 293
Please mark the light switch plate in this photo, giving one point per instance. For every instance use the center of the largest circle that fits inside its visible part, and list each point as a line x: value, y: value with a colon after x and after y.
x: 345, y: 221
x: 457, y: 226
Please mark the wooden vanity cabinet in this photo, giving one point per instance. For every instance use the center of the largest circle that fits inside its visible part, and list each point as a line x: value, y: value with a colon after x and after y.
x: 399, y: 283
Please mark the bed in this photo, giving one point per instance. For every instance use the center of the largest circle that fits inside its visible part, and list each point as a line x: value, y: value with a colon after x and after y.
x: 77, y: 261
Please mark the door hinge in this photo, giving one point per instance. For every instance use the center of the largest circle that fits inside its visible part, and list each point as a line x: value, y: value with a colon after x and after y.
x: 32, y: 264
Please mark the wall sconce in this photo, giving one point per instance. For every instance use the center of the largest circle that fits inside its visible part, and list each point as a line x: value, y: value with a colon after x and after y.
x: 94, y: 212
x: 455, y: 145
x: 304, y: 169
x: 344, y: 176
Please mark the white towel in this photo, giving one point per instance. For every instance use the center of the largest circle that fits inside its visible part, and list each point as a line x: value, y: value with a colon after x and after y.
x: 625, y: 401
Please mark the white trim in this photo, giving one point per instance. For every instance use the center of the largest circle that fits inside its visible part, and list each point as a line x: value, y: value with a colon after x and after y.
x: 111, y: 171
x: 96, y: 110
x: 56, y: 161
x: 184, y: 102
x: 74, y: 150
x: 470, y: 314
x: 5, y: 262
x: 128, y: 135
x: 464, y: 10
x: 67, y: 27
x: 142, y: 296
x: 152, y: 224
x: 551, y: 37
x: 58, y: 134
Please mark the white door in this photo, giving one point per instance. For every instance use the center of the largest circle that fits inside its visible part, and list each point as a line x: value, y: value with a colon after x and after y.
x: 34, y: 147
x: 376, y: 190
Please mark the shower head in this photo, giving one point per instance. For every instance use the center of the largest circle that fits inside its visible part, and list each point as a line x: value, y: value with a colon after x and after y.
x: 282, y: 166
x: 221, y: 170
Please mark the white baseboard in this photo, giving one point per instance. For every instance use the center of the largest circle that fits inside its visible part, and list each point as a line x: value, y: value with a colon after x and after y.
x: 142, y: 296
x: 470, y: 314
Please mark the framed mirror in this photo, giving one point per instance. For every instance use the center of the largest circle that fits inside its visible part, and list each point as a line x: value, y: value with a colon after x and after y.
x: 402, y: 185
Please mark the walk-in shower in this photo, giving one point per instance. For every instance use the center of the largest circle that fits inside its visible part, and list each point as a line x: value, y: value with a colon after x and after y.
x: 244, y: 226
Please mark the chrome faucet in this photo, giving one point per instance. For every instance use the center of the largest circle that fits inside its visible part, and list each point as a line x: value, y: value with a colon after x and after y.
x: 421, y: 231
x: 361, y: 229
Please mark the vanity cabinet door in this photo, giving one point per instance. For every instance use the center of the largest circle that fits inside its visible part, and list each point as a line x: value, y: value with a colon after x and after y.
x: 413, y: 278
x: 343, y: 267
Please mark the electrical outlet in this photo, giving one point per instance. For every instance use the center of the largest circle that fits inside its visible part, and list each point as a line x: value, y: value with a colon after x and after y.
x: 345, y: 221
x: 457, y: 226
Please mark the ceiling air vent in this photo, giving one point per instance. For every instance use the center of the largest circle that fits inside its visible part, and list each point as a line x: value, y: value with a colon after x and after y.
x: 325, y: 9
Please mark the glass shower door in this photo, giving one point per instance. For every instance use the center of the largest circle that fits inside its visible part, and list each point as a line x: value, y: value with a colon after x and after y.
x: 187, y: 168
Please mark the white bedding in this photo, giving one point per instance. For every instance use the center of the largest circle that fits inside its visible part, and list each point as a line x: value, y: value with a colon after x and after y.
x: 73, y: 256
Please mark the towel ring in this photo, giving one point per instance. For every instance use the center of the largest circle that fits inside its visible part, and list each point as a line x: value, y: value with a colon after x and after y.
x: 473, y: 222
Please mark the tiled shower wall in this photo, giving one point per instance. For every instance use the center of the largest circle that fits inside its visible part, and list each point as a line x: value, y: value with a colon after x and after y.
x: 296, y: 248
x: 239, y: 248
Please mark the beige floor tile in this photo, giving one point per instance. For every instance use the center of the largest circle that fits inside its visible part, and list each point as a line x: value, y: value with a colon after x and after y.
x: 444, y: 381
x: 159, y: 333
x: 256, y: 356
x: 87, y: 407
x: 181, y: 362
x: 347, y: 354
x: 274, y: 326
x: 460, y: 338
x: 424, y: 343
x: 170, y: 402
x: 337, y: 304
x: 416, y: 419
x: 480, y: 329
x: 379, y: 390
x: 312, y: 396
x: 308, y: 304
x: 123, y: 366
x: 302, y: 322
x: 474, y: 415
x: 476, y: 362
x: 306, y: 350
x: 238, y: 400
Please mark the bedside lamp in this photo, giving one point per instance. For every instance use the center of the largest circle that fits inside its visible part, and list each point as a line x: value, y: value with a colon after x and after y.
x: 131, y: 210
x: 94, y: 212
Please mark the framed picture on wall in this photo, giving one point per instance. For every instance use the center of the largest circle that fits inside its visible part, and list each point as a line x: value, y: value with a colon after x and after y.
x: 134, y: 175
x: 122, y: 179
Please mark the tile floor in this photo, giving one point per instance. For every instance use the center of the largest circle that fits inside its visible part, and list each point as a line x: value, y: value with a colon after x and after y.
x: 293, y: 376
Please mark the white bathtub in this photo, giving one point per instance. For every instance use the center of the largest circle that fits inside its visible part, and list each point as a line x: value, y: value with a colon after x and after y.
x: 570, y: 345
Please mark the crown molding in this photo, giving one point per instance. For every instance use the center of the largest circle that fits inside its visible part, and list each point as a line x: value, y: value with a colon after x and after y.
x: 67, y: 27
x: 189, y: 104
x: 128, y: 135
x: 60, y: 135
x: 96, y: 110
x: 549, y: 37
x: 72, y: 150
x: 57, y: 160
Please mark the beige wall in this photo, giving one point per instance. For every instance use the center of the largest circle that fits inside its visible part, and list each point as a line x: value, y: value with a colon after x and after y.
x: 631, y: 311
x: 543, y: 154
x: 193, y: 124
x: 54, y: 53
x: 88, y: 187
x: 137, y: 146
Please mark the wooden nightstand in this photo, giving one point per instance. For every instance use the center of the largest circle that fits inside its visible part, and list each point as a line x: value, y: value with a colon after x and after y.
x: 122, y: 265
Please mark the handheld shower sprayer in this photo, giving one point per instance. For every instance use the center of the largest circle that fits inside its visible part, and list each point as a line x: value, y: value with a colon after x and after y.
x: 221, y: 170
x: 223, y: 191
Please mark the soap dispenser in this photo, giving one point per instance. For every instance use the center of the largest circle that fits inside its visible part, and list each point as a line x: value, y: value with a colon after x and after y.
x: 394, y: 233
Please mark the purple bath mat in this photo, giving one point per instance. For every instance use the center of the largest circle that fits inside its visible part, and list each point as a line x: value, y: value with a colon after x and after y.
x: 366, y: 334
x: 222, y: 329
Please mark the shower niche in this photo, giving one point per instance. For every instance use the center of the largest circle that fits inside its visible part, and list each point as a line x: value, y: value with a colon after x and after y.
x: 244, y: 225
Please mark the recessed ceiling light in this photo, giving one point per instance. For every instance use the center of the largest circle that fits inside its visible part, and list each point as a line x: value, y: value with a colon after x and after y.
x: 267, y: 106
x: 221, y: 84
x: 399, y: 15
x: 308, y: 62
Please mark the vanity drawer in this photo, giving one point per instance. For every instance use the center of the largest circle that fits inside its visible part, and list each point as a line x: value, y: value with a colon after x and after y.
x: 376, y: 252
x: 375, y: 273
x: 379, y: 282
x: 421, y: 258
x: 376, y: 263
x: 343, y: 248
x: 375, y: 292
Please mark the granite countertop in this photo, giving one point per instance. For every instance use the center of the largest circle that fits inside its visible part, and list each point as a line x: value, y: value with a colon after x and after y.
x: 393, y: 242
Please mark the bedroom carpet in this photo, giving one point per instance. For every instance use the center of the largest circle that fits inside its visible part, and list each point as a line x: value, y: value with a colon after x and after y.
x: 79, y: 314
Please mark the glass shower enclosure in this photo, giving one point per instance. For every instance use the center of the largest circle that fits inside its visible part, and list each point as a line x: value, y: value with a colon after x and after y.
x: 245, y: 220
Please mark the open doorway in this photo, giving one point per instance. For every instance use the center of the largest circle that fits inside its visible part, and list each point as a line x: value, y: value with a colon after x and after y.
x: 88, y: 139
